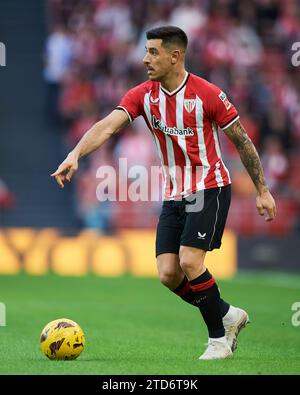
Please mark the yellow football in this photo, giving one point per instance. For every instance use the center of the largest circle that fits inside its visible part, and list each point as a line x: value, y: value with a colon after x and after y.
x: 62, y: 339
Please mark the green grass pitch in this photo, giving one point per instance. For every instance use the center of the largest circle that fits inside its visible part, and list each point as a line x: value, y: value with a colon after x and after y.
x: 136, y: 326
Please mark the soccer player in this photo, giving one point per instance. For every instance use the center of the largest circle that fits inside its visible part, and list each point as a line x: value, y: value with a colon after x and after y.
x: 183, y: 113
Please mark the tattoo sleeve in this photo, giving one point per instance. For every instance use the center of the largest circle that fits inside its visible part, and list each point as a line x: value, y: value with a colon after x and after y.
x: 248, y: 154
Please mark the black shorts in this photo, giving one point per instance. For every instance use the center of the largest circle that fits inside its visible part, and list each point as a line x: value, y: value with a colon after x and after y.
x: 199, y: 223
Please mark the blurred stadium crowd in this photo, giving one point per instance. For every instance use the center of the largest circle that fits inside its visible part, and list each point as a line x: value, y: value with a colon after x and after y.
x: 93, y: 55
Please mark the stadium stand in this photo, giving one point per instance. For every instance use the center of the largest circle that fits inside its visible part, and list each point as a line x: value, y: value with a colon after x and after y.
x: 94, y: 50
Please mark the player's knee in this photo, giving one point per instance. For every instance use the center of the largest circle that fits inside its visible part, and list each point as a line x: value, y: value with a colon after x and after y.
x: 168, y: 279
x: 190, y: 265
x: 170, y: 273
x: 190, y: 262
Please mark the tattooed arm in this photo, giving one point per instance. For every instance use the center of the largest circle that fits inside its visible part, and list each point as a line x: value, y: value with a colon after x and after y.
x: 250, y: 159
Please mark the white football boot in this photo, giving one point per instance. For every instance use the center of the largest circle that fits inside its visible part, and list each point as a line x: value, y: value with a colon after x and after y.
x: 234, y: 321
x: 217, y: 349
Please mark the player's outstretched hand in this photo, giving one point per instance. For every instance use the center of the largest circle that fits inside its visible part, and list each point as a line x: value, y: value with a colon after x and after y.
x: 266, y: 203
x: 66, y: 170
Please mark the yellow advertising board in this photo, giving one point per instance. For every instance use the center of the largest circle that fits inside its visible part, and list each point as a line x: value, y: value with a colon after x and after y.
x: 132, y: 251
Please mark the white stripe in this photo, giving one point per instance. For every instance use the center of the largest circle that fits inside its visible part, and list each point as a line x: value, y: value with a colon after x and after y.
x: 123, y: 108
x: 201, y: 143
x: 147, y: 107
x: 217, y: 212
x: 182, y: 141
x: 219, y: 179
x: 148, y: 115
x: 169, y: 144
x: 218, y: 150
x: 230, y: 123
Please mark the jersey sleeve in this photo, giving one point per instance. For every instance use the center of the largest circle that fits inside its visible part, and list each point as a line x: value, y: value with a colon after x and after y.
x: 220, y: 109
x: 131, y: 103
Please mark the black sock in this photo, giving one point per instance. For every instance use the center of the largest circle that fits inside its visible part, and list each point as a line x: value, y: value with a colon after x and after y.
x: 224, y: 307
x: 184, y: 290
x: 207, y: 298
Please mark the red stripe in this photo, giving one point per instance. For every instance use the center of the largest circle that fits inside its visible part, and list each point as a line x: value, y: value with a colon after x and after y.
x: 211, y: 152
x: 184, y: 290
x: 226, y: 177
x: 222, y: 168
x: 203, y: 286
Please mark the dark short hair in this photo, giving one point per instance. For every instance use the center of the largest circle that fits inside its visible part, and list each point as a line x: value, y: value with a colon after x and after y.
x: 168, y: 35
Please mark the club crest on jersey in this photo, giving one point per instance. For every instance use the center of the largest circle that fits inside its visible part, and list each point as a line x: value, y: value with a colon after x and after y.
x: 189, y: 104
x: 225, y: 101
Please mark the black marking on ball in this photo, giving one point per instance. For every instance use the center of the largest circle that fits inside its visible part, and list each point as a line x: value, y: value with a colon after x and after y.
x: 63, y: 324
x: 77, y: 345
x: 44, y: 336
x: 56, y: 346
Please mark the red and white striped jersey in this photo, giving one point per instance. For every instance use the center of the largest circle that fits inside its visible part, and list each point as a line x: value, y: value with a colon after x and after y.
x: 184, y: 124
